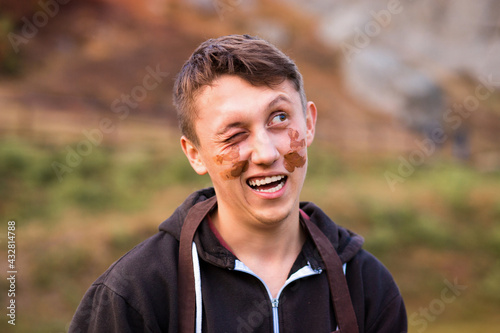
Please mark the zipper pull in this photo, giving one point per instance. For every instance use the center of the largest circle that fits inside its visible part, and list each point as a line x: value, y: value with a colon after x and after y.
x: 275, y: 303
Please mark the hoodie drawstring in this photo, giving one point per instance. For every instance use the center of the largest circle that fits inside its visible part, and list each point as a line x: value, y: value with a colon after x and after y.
x: 197, y: 288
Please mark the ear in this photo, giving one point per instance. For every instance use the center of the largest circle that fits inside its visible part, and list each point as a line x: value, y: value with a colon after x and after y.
x: 311, y: 114
x: 193, y: 155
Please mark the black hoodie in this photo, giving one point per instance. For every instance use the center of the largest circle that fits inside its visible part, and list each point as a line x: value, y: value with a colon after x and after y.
x: 140, y: 292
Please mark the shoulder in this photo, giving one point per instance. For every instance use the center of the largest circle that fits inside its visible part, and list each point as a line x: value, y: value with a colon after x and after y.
x: 137, y: 293
x: 145, y: 278
x: 375, y: 294
x: 369, y: 268
x: 371, y: 278
x: 152, y: 262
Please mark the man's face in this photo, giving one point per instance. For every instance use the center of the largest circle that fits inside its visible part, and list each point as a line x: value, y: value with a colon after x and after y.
x: 253, y: 144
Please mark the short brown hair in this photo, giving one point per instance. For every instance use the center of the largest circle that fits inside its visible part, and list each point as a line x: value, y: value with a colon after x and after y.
x: 251, y: 58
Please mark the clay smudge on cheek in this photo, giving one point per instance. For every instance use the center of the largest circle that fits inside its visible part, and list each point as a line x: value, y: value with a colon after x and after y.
x: 237, y: 169
x: 232, y: 157
x: 293, y: 159
x: 295, y: 143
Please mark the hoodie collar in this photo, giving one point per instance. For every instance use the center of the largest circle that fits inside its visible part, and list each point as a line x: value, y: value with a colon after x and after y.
x: 174, y: 223
x: 345, y: 242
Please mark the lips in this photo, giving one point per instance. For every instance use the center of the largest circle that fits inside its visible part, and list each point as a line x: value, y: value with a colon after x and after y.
x: 269, y: 184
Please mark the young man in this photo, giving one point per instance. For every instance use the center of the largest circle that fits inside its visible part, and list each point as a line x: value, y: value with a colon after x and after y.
x: 245, y: 255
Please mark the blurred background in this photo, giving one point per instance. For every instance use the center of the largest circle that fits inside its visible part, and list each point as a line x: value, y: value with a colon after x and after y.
x: 407, y: 151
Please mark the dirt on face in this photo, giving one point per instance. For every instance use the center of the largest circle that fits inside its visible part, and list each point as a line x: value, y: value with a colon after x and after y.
x: 293, y: 159
x: 232, y: 157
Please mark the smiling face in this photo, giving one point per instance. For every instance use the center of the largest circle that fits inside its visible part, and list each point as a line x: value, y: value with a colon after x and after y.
x: 253, y: 143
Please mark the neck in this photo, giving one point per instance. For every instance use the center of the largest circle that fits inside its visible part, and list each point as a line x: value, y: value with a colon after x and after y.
x: 255, y: 241
x: 268, y: 249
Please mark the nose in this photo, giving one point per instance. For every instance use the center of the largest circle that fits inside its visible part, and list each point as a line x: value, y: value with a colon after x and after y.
x: 264, y: 150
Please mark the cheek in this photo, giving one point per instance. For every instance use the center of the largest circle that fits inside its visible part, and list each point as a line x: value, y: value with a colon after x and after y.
x: 293, y: 159
x: 228, y: 157
x: 232, y: 159
x: 295, y: 142
x: 236, y: 170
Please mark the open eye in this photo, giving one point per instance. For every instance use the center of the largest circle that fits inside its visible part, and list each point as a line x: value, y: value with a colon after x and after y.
x: 278, y: 119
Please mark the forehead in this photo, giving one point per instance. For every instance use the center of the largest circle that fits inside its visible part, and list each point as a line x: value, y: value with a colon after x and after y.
x: 231, y: 96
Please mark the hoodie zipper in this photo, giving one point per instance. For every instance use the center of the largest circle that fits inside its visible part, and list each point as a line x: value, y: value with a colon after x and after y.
x: 301, y: 273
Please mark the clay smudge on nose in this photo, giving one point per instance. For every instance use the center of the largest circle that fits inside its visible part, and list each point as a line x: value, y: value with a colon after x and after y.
x: 293, y: 159
x: 232, y: 157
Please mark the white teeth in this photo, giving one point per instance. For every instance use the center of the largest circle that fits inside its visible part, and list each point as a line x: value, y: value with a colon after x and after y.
x: 272, y: 190
x: 267, y: 180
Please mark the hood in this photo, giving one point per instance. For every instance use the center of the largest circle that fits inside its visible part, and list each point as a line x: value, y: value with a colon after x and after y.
x: 173, y: 224
x: 344, y: 241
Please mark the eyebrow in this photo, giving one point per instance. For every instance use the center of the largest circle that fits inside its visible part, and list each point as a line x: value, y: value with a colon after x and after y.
x: 238, y: 124
x: 277, y: 100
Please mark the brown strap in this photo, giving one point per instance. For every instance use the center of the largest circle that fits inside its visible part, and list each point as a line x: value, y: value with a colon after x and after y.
x: 187, y: 294
x: 344, y: 310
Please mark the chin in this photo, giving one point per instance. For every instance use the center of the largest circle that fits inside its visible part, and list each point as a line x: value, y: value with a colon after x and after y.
x: 273, y: 217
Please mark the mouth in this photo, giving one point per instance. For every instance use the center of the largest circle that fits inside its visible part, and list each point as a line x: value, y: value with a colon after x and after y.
x: 269, y: 184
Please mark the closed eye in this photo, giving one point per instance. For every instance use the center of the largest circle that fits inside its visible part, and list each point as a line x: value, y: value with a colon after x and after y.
x: 235, y: 137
